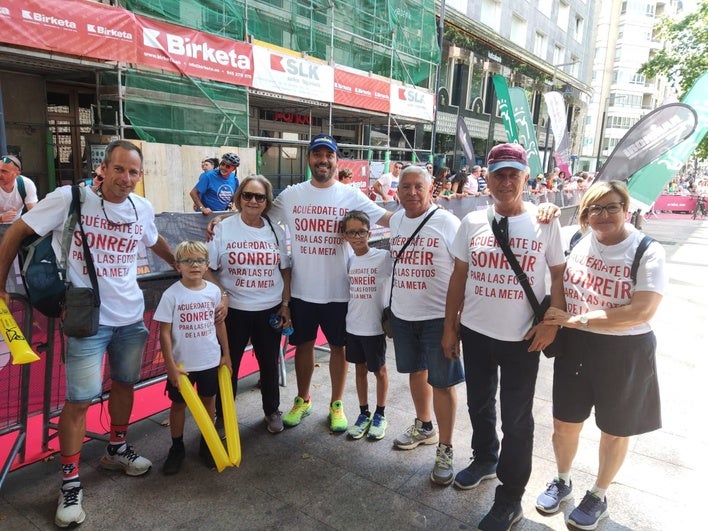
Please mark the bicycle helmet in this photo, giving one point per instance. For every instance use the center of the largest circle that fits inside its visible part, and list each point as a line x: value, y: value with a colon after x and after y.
x: 231, y: 158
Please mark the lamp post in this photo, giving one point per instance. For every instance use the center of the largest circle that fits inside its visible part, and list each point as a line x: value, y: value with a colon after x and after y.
x: 433, y: 129
x: 548, y: 119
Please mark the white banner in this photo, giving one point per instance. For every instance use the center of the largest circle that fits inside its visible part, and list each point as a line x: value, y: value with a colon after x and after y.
x: 412, y: 102
x: 292, y: 75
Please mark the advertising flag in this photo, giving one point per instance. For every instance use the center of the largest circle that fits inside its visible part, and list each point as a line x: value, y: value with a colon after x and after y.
x: 557, y: 115
x: 463, y: 137
x: 525, y: 129
x: 506, y: 109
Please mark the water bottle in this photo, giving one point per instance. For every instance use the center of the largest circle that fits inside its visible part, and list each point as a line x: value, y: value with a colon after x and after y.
x: 277, y: 323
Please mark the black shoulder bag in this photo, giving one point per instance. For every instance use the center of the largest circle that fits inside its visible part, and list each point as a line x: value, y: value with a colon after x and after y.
x: 386, y: 315
x: 82, y: 306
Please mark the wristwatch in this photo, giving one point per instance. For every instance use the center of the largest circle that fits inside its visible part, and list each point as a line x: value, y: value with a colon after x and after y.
x: 584, y: 321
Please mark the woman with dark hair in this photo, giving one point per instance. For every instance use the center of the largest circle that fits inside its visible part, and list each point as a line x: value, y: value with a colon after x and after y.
x: 613, y: 283
x: 439, y: 181
x: 248, y: 259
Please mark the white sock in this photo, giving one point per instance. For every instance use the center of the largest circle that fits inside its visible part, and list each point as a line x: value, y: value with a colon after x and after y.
x: 565, y: 476
x: 597, y: 491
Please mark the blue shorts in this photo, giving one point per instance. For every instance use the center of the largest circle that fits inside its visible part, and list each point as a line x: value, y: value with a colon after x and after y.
x: 308, y: 316
x: 207, y: 384
x: 367, y: 349
x: 417, y: 346
x: 84, y: 359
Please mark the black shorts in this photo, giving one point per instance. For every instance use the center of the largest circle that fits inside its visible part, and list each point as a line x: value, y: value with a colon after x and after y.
x: 207, y: 384
x: 616, y: 375
x: 308, y: 316
x: 367, y: 349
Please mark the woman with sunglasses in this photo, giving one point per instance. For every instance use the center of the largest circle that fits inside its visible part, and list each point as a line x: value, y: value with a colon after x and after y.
x: 609, y: 357
x: 17, y: 193
x: 248, y: 258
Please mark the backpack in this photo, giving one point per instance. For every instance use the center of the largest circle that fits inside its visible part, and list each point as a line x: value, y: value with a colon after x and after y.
x: 22, y: 191
x: 43, y: 276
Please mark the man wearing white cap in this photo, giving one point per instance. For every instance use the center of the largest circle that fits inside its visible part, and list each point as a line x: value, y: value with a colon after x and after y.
x: 496, y: 325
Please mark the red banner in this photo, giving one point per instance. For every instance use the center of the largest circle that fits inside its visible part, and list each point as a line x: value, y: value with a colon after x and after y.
x: 194, y: 53
x: 362, y: 92
x: 81, y: 28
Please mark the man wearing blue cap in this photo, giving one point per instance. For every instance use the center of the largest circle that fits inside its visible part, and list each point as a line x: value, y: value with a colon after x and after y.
x: 501, y: 351
x: 313, y: 212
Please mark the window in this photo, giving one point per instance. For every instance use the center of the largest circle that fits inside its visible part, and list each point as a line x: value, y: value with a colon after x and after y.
x: 540, y: 45
x: 579, y: 28
x: 638, y: 79
x: 518, y: 30
x: 650, y: 9
x: 563, y: 16
x: 491, y: 13
x: 557, y: 55
x: 545, y: 7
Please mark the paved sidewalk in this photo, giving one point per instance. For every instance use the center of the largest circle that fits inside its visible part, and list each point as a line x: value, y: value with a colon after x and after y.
x: 306, y: 478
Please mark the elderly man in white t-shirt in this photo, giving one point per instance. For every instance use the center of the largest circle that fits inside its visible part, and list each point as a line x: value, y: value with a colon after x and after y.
x: 386, y: 185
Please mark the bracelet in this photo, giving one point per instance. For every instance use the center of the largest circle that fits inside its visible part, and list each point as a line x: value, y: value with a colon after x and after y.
x: 285, y: 303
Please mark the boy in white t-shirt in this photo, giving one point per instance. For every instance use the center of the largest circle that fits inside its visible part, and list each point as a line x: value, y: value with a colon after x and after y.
x: 191, y: 343
x: 369, y: 282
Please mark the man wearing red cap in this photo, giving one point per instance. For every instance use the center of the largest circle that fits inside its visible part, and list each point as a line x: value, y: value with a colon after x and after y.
x: 488, y: 310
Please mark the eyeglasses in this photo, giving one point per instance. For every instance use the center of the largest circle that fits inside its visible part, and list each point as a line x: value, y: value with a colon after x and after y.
x: 8, y: 160
x: 247, y: 196
x: 113, y: 224
x: 192, y: 261
x: 611, y: 208
x: 226, y: 164
x: 356, y: 233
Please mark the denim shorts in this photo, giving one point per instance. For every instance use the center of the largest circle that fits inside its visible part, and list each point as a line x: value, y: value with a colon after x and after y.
x: 417, y: 346
x: 84, y: 359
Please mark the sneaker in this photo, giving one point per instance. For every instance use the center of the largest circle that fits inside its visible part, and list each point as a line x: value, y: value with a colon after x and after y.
x: 274, y: 422
x: 474, y: 474
x: 589, y: 513
x: 300, y: 410
x: 557, y: 492
x: 377, y: 430
x: 70, y: 513
x: 205, y: 454
x: 174, y: 460
x: 337, y: 419
x: 442, y: 471
x: 132, y: 463
x: 502, y: 516
x: 415, y: 435
x: 361, y: 426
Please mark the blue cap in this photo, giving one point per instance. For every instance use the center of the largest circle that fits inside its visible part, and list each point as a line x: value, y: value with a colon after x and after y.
x: 323, y: 141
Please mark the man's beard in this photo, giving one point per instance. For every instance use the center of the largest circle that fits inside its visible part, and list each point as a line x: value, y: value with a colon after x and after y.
x: 319, y: 177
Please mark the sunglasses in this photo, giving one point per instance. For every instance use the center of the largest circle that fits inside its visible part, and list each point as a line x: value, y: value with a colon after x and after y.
x: 247, y: 196
x: 8, y: 160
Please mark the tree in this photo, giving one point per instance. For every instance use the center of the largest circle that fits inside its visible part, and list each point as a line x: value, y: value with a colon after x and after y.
x: 684, y: 56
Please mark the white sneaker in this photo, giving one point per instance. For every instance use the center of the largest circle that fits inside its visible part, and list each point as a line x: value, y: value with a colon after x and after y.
x: 69, y: 510
x: 132, y: 463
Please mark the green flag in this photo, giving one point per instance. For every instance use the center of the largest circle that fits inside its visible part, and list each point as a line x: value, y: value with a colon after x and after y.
x: 505, y: 108
x: 647, y: 184
x: 525, y: 129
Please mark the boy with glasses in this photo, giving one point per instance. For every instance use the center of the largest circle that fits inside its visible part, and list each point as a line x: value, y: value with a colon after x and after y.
x: 369, y: 278
x: 191, y: 343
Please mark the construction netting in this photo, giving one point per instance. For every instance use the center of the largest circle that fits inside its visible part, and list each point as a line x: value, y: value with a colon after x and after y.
x: 183, y: 110
x: 391, y: 38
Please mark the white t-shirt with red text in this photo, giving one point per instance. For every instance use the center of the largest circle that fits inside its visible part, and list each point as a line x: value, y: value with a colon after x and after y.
x: 389, y: 186
x: 113, y: 233
x: 191, y: 312
x: 422, y: 274
x: 495, y: 303
x: 313, y: 217
x: 369, y: 284
x: 598, y: 277
x: 248, y: 261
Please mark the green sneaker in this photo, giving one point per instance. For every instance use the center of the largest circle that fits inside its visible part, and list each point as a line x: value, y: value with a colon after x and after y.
x: 361, y: 426
x: 377, y: 430
x: 337, y: 419
x: 300, y: 410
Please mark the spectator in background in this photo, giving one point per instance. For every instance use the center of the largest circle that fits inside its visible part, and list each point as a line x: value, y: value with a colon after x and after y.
x: 18, y: 194
x: 387, y: 184
x: 209, y: 164
x: 215, y: 188
x: 345, y: 176
x: 481, y: 179
x: 439, y: 181
x: 429, y: 167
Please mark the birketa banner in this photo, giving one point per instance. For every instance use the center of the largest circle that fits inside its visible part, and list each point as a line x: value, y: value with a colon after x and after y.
x: 526, y: 133
x: 463, y: 137
x: 646, y: 184
x: 652, y: 136
x: 556, y: 113
x: 506, y: 109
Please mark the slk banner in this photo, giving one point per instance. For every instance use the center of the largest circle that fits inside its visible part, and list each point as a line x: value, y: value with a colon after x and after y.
x: 412, y: 102
x: 558, y: 117
x: 193, y: 53
x: 651, y: 137
x: 81, y: 28
x: 648, y: 183
x: 360, y: 91
x: 525, y: 129
x: 463, y: 137
x: 285, y: 72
